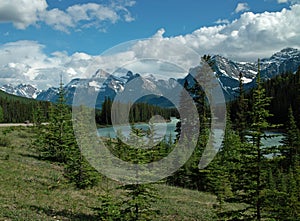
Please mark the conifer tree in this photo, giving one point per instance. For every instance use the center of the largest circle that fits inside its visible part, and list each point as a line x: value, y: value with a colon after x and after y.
x: 57, y: 142
x: 38, y: 117
x: 241, y: 120
x: 255, y: 165
x: 184, y: 107
x: 1, y: 114
x: 137, y: 204
x: 77, y: 168
x: 57, y: 138
x: 248, y: 162
x: 105, y: 116
x: 110, y: 207
x: 291, y: 143
x: 223, y: 176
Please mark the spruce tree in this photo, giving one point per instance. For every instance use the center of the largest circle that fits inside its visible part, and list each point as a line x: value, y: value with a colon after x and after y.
x: 137, y: 203
x: 110, y: 206
x: 105, y: 115
x: 241, y: 112
x: 56, y: 142
x: 77, y: 168
x: 184, y: 107
x: 291, y: 143
x: 248, y: 161
x: 255, y: 165
x: 224, y: 171
x: 57, y: 138
x: 38, y: 117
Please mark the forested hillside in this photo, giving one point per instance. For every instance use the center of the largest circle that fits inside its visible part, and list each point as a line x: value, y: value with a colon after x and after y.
x: 19, y: 109
x: 284, y: 92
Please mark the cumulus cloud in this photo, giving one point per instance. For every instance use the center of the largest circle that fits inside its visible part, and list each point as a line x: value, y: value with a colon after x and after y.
x: 250, y: 37
x: 23, y: 13
x: 26, y: 62
x: 241, y: 7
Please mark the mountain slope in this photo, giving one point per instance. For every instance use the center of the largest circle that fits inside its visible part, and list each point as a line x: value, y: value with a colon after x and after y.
x: 287, y: 60
x: 227, y: 71
x: 18, y: 109
x: 23, y: 90
x: 109, y: 86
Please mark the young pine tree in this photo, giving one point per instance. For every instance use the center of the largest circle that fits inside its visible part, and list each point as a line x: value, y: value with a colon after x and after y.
x: 56, y: 142
x: 138, y: 200
x: 57, y: 137
x: 110, y: 206
x: 77, y: 168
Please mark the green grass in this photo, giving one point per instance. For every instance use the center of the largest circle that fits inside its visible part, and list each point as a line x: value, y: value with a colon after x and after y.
x: 32, y: 189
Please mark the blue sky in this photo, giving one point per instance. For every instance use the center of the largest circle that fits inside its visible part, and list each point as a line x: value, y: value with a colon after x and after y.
x: 177, y: 17
x: 42, y: 36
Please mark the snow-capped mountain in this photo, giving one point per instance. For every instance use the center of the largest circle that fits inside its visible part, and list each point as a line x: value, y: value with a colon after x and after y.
x: 102, y: 83
x: 23, y: 90
x: 48, y: 95
x: 287, y: 60
x: 109, y: 85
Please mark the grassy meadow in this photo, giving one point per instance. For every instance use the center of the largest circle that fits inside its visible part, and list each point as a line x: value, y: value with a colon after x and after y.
x: 33, y: 189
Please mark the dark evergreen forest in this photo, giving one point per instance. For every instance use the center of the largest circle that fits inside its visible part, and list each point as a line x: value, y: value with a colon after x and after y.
x: 138, y: 112
x: 284, y: 91
x: 18, y: 109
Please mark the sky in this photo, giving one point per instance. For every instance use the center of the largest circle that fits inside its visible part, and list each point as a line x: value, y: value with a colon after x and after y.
x: 41, y: 39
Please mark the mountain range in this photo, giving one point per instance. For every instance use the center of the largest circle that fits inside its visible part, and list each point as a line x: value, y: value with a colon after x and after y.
x: 107, y: 85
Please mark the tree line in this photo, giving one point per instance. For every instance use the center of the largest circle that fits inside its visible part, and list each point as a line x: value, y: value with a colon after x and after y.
x: 138, y: 112
x: 17, y: 109
x: 284, y: 91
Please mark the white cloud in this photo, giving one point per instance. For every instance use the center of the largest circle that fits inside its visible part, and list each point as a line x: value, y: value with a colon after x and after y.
x: 25, y: 61
x: 222, y: 21
x: 23, y: 13
x: 58, y: 19
x: 250, y: 37
x: 288, y: 1
x: 241, y: 7
x: 92, y: 11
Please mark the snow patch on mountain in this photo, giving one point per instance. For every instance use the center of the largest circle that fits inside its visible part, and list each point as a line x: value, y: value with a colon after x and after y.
x: 226, y: 71
x: 23, y: 90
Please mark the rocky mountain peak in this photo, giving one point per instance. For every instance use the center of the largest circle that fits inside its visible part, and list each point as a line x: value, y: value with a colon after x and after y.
x: 227, y: 71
